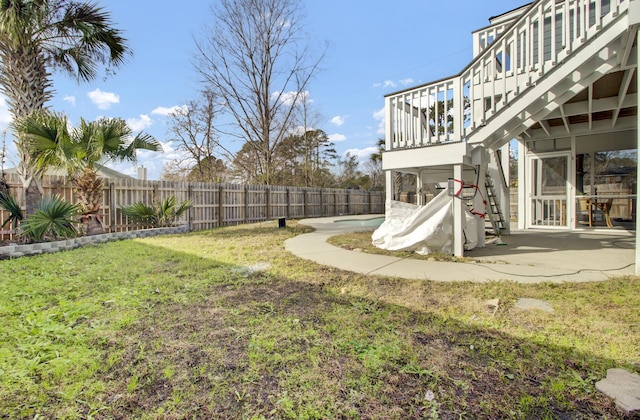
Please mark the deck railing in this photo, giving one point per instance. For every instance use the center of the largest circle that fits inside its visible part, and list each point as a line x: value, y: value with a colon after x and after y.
x: 450, y: 110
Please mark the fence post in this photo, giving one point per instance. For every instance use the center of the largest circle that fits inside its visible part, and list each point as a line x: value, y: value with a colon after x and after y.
x: 112, y: 207
x: 304, y: 202
x: 192, y: 208
x: 369, y: 202
x: 267, y: 191
x: 321, y: 203
x: 348, y: 201
x: 288, y: 203
x: 246, y: 204
x: 220, y: 205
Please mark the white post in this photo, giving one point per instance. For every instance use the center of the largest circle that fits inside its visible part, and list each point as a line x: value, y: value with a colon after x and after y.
x: 458, y: 108
x: 389, y: 189
x: 419, y: 189
x: 523, y: 180
x: 458, y: 235
x: 637, y: 178
x: 505, y: 195
x: 388, y: 145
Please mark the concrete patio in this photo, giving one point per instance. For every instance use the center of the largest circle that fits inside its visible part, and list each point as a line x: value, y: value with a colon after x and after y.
x: 525, y: 256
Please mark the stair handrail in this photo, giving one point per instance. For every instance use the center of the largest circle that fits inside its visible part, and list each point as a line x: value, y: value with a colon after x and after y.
x: 459, y: 104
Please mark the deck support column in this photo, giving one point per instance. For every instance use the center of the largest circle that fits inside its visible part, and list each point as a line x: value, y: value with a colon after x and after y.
x: 458, y: 235
x: 637, y: 259
x: 419, y: 192
x: 523, y: 186
x: 389, y: 190
x: 505, y: 194
x: 479, y: 205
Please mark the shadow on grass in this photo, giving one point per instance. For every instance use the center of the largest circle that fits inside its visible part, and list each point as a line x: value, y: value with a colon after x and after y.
x: 208, y: 339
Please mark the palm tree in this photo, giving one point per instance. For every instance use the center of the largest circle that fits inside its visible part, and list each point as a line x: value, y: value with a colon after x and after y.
x: 37, y: 36
x: 50, y: 142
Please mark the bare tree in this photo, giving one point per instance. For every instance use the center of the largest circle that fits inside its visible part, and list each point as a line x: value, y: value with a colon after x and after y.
x: 192, y: 130
x: 255, y: 60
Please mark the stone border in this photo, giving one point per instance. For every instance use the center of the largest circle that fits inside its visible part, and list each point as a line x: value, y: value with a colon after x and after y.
x: 16, y: 251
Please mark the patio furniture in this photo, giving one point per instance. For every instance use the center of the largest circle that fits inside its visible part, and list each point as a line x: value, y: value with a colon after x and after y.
x: 602, y: 208
x: 584, y: 213
x: 590, y: 211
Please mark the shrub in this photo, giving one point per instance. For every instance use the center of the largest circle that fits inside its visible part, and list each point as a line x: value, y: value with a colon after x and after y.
x: 53, y: 219
x: 164, y: 214
x: 11, y: 205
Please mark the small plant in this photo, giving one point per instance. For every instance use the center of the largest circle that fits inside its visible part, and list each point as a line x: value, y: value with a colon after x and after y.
x: 53, y: 219
x: 164, y: 214
x: 10, y: 204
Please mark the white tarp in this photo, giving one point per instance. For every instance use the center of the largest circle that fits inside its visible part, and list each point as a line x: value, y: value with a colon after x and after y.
x: 423, y: 229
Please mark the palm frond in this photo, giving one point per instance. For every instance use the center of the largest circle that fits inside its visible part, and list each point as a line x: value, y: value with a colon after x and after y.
x: 140, y: 213
x: 182, y: 208
x: 10, y: 204
x: 46, y: 139
x: 53, y: 219
x: 146, y: 142
x: 164, y: 214
x: 88, y: 29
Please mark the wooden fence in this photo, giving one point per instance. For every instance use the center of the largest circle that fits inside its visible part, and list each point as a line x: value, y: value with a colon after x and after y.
x: 214, y: 205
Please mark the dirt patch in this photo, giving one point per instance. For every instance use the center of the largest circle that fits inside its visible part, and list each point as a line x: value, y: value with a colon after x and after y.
x: 228, y: 356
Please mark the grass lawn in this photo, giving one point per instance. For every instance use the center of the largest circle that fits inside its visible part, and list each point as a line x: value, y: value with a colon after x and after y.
x: 226, y: 324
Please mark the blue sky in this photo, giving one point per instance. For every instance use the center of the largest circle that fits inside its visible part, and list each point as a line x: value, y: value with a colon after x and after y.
x: 373, y: 48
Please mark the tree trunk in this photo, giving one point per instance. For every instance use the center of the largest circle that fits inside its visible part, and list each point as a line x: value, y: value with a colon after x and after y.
x: 32, y: 195
x: 88, y: 186
x: 92, y: 224
x: 25, y: 82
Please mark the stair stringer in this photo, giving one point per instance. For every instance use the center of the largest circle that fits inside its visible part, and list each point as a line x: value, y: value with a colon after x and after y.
x: 596, y: 58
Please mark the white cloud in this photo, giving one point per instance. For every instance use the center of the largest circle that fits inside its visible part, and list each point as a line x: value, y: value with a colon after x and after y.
x: 337, y: 137
x: 287, y: 98
x: 392, y: 84
x: 385, y: 84
x: 71, y: 99
x: 155, y: 162
x: 362, y: 154
x: 299, y: 130
x: 338, y: 120
x: 164, y: 111
x: 379, y: 115
x: 139, y: 124
x: 103, y: 100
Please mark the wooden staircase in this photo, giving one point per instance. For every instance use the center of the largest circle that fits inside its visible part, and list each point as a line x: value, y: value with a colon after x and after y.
x: 493, y: 211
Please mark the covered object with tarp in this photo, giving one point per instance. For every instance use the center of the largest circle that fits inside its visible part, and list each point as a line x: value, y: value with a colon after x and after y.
x: 424, y: 229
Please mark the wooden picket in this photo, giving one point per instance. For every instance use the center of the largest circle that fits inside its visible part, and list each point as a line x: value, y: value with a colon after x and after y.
x: 214, y: 205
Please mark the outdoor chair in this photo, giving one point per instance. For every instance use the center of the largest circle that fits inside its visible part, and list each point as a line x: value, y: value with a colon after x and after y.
x: 601, y: 211
x: 584, y: 213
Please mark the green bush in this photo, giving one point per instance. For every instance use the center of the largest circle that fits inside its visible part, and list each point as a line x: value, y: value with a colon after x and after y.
x: 164, y: 214
x: 9, y: 203
x: 53, y: 219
